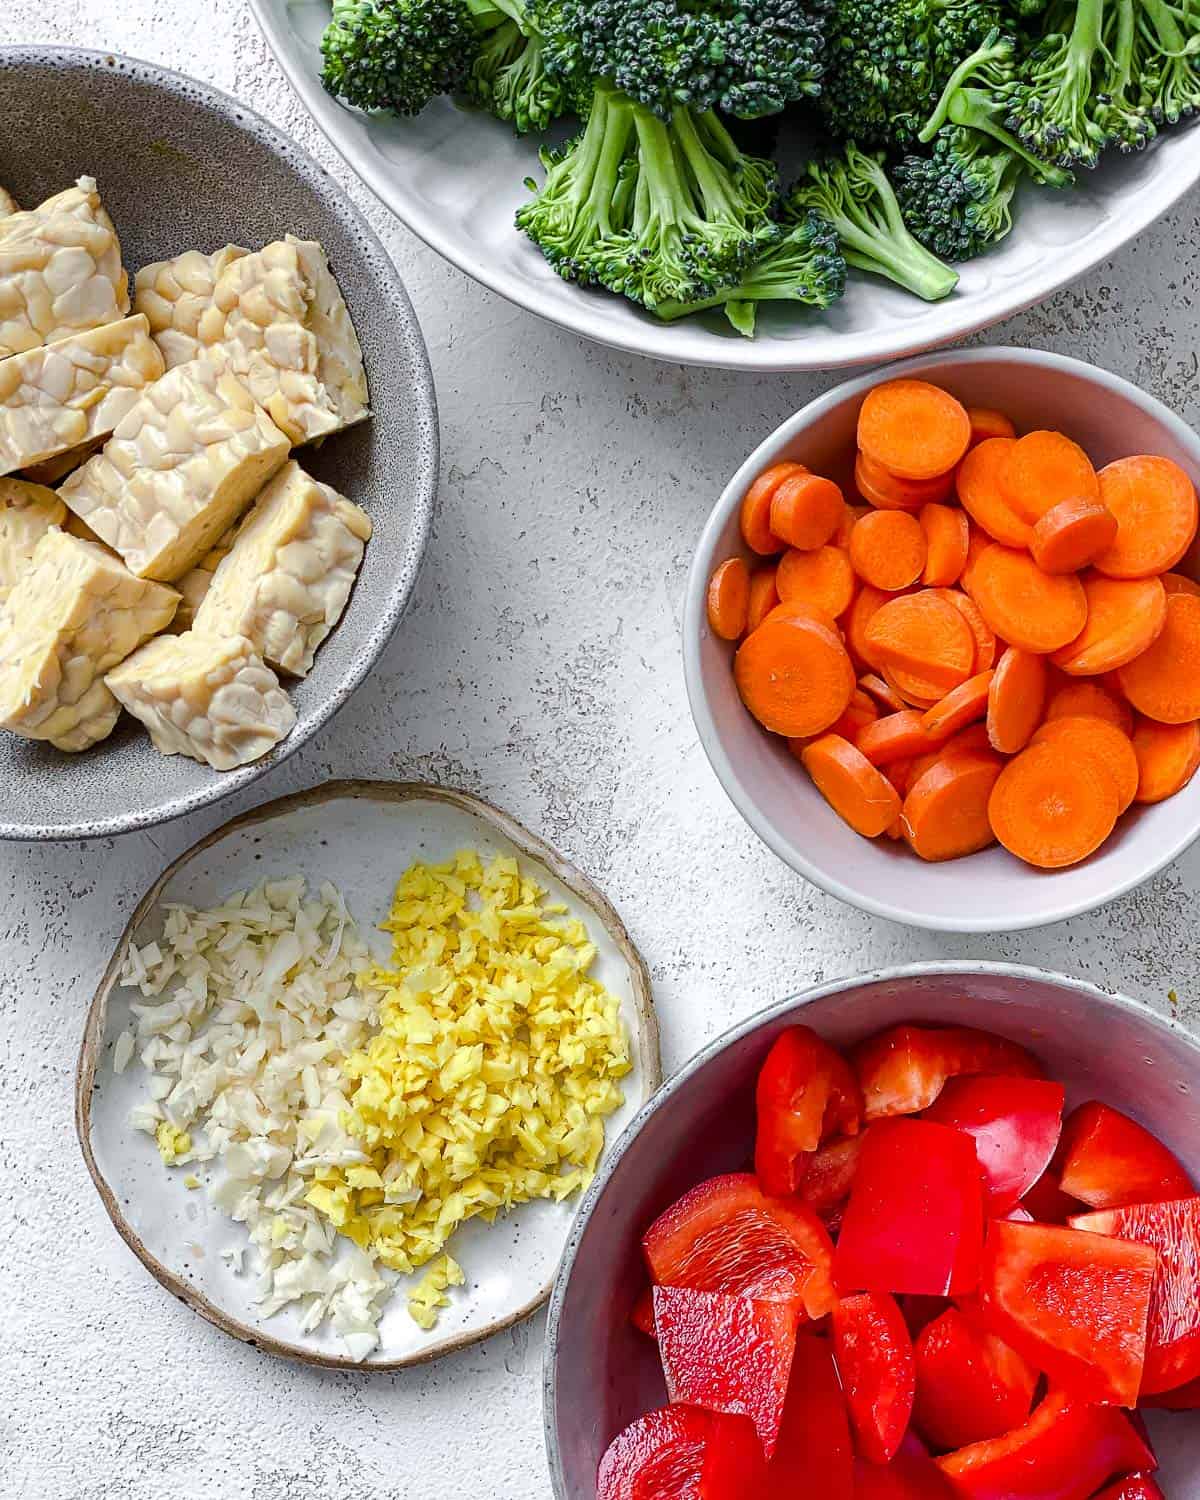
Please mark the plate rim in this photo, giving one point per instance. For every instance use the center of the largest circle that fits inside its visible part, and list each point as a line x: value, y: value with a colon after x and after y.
x: 645, y: 1041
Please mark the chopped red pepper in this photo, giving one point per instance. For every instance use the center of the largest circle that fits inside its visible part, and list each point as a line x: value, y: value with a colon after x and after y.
x: 1015, y: 1123
x: 874, y: 1355
x: 902, y: 1070
x: 909, y: 1476
x: 1183, y: 1398
x: 1132, y: 1487
x: 1107, y: 1160
x: 830, y: 1176
x: 921, y: 1311
x: 681, y: 1453
x: 641, y: 1315
x: 970, y: 1385
x: 1047, y: 1202
x: 806, y: 1092
x: 814, y: 1455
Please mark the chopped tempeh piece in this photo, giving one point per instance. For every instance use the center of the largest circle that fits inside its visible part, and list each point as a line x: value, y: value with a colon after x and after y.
x: 60, y: 270
x: 179, y: 469
x: 289, y: 573
x: 177, y: 294
x: 27, y: 513
x: 64, y: 394
x: 206, y: 696
x: 75, y: 612
x: 51, y: 470
x: 8, y: 204
x: 196, y: 582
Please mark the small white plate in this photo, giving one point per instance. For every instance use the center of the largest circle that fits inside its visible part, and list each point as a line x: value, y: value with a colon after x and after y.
x: 361, y: 835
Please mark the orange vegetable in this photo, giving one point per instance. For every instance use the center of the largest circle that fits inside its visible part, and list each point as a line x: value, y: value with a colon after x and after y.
x: 1098, y: 737
x: 1179, y: 583
x: 867, y: 602
x: 981, y: 489
x: 1045, y: 468
x: 985, y: 636
x: 1154, y: 502
x: 822, y: 578
x: 986, y: 423
x: 888, y: 491
x: 1015, y: 700
x: 897, y: 737
x: 923, y: 635
x: 856, y: 791
x: 916, y: 691
x: 1051, y: 809
x: 947, y: 541
x: 1164, y: 682
x: 1168, y: 756
x: 756, y: 508
x: 806, y: 510
x: 763, y: 598
x: 914, y: 429
x: 961, y: 706
x: 1072, y: 534
x: 1124, y: 616
x: 978, y: 540
x: 945, y: 814
x: 974, y: 737
x: 794, y: 675
x: 887, y: 549
x: 887, y: 698
x: 1091, y: 701
x: 729, y: 599
x: 860, y: 711
x: 1024, y: 606
x: 852, y: 516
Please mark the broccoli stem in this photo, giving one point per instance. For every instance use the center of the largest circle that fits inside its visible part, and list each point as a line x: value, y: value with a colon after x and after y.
x: 976, y: 108
x: 1062, y: 91
x: 875, y: 238
x: 994, y: 49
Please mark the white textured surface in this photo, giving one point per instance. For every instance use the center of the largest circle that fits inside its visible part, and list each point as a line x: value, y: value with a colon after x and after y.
x: 540, y: 666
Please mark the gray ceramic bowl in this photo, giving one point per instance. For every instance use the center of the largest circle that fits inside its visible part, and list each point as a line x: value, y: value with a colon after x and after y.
x: 181, y: 165
x: 600, y: 1372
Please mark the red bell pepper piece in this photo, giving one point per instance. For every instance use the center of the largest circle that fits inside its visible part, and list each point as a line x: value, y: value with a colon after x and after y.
x: 1132, y: 1487
x: 830, y: 1176
x: 1182, y: 1398
x: 1075, y: 1306
x: 1173, y: 1229
x: 1015, y: 1123
x: 729, y: 1354
x: 1107, y: 1160
x: 908, y: 1477
x: 814, y: 1455
x: 919, y: 1312
x: 902, y: 1070
x: 1047, y: 1202
x: 914, y: 1222
x: 873, y: 1351
x: 682, y: 1453
x: 726, y: 1235
x: 970, y: 1386
x: 806, y: 1092
x: 641, y: 1315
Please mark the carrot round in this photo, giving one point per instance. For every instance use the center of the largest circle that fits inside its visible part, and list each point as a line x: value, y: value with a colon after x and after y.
x: 1154, y: 502
x: 924, y: 635
x: 845, y: 527
x: 729, y: 598
x: 986, y: 422
x: 889, y: 492
x: 806, y: 510
x: 980, y: 485
x: 860, y: 711
x: 1045, y: 468
x: 822, y: 578
x: 945, y: 814
x: 857, y: 792
x: 1098, y: 737
x: 1015, y: 700
x: 755, y: 515
x: 1164, y: 682
x: 763, y: 597
x: 985, y: 636
x: 867, y: 603
x: 915, y: 691
x: 1179, y: 583
x: 1072, y: 534
x: 794, y: 675
x: 1090, y: 700
x: 1124, y: 616
x: 887, y: 698
x: 970, y: 741
x: 1052, y: 810
x: 887, y: 549
x: 897, y: 737
x: 1024, y: 606
x: 1168, y: 756
x: 976, y: 542
x: 914, y: 429
x: 961, y: 706
x: 947, y: 539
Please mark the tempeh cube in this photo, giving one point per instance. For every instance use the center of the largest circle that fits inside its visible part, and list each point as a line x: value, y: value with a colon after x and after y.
x: 27, y: 513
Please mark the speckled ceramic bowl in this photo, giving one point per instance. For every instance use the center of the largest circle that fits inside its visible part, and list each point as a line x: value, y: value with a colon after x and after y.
x: 181, y: 165
x: 600, y: 1373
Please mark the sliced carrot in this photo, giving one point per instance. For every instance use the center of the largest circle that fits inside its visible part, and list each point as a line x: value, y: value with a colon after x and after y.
x: 980, y: 484
x: 961, y: 706
x: 897, y: 737
x: 1168, y: 756
x: 887, y: 698
x: 947, y: 540
x: 945, y: 814
x: 822, y: 578
x: 763, y: 598
x: 924, y: 635
x: 970, y: 741
x: 1090, y: 700
x: 914, y: 690
x: 867, y: 602
x: 900, y: 772
x: 851, y: 518
x: 914, y: 429
x: 1072, y: 534
x: 755, y: 515
x: 887, y: 549
x: 729, y: 598
x: 1044, y: 468
x: 974, y: 737
x: 1015, y: 700
x: 985, y: 636
x: 806, y: 510
x: 979, y: 539
x: 1024, y: 606
x: 794, y: 675
x: 857, y: 792
x: 1051, y: 809
x: 1100, y: 738
x: 1154, y: 502
x: 860, y: 712
x: 889, y: 492
x: 1164, y: 682
x: 1179, y: 583
x: 1124, y: 616
x: 986, y: 422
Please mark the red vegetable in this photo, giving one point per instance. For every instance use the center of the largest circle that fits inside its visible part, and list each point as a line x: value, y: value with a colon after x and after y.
x: 1184, y: 1398
x: 1047, y: 1202
x: 914, y: 1222
x: 726, y: 1235
x: 1015, y: 1123
x: 1107, y: 1160
x: 1132, y: 1487
x: 681, y: 1453
x: 806, y: 1092
x: 1173, y: 1229
x: 902, y: 1070
x: 813, y: 1455
x: 1075, y: 1306
x: 874, y: 1356
x: 830, y: 1176
x: 970, y: 1385
x: 641, y: 1315
x: 909, y: 1476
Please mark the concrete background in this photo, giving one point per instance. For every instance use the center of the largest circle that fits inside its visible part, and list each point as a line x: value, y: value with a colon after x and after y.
x: 570, y: 474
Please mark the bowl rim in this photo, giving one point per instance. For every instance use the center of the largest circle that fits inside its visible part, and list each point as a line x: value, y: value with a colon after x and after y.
x: 421, y: 399
x: 789, y: 1005
x: 693, y: 618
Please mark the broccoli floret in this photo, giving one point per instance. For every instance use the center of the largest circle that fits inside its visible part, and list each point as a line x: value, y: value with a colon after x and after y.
x: 510, y: 80
x: 1168, y: 50
x: 806, y: 266
x: 1119, y: 112
x: 1053, y: 95
x: 852, y: 192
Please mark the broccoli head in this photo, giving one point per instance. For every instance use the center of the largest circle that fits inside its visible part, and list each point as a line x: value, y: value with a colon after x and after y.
x: 1168, y: 58
x: 509, y: 77
x: 958, y: 201
x: 1054, y: 96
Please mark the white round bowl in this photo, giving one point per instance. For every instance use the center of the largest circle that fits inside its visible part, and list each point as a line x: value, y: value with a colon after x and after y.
x: 991, y: 891
x: 456, y: 179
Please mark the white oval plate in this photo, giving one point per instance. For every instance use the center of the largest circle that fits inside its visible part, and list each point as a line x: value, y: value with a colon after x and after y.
x: 361, y: 835
x: 456, y: 179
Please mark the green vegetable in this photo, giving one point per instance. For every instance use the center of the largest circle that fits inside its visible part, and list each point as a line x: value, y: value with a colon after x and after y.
x: 1055, y: 95
x: 510, y: 79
